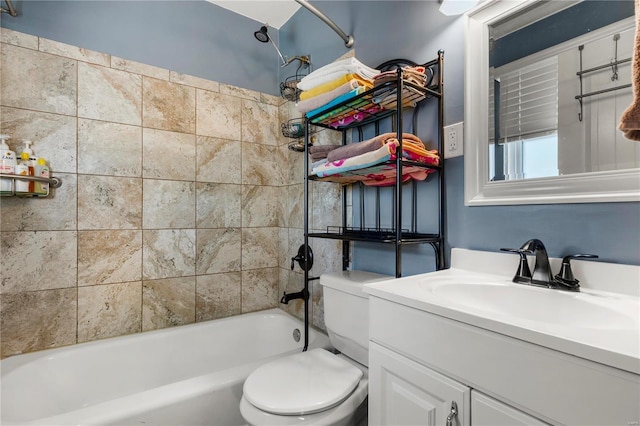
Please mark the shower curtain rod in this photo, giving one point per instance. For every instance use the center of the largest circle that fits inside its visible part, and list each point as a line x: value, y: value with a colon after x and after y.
x: 348, y: 39
x: 9, y: 9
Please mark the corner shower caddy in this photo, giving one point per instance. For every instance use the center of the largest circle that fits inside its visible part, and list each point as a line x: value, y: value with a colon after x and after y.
x: 403, y: 92
x: 52, y: 181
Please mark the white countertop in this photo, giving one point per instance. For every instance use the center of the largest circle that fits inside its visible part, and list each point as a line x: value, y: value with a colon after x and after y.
x: 613, y: 343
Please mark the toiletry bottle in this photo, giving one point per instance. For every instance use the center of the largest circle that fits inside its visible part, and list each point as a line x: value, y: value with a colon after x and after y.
x: 7, y: 166
x: 42, y: 170
x: 26, y: 167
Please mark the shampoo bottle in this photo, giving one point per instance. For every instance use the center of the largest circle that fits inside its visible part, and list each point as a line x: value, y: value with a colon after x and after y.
x: 42, y: 170
x: 7, y: 166
x: 26, y: 167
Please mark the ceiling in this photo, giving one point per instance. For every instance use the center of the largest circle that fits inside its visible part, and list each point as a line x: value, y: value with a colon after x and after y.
x: 272, y: 12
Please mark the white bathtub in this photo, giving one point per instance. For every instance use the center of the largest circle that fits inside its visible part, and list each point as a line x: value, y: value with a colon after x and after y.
x: 188, y: 375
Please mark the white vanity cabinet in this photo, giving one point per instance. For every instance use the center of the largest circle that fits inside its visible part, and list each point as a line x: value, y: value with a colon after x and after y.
x: 491, y: 412
x: 403, y: 392
x: 419, y: 362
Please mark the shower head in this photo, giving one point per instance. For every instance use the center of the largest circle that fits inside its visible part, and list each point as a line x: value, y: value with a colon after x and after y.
x: 261, y: 35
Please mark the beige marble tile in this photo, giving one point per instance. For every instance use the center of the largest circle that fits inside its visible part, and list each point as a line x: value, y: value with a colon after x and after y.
x: 317, y: 305
x: 218, y: 160
x: 218, y: 296
x: 168, y: 253
x: 33, y: 321
x: 197, y: 82
x: 260, y: 289
x: 51, y: 81
x: 18, y: 39
x: 109, y: 148
x: 291, y: 282
x: 283, y: 208
x: 261, y: 165
x: 41, y: 260
x: 107, y: 257
x: 106, y: 202
x: 295, y: 160
x: 260, y: 205
x: 219, y: 250
x: 168, y: 204
x: 259, y: 248
x: 271, y: 99
x: 53, y: 136
x: 218, y: 115
x: 218, y: 205
x: 327, y: 256
x: 326, y: 199
x: 260, y: 123
x: 73, y: 52
x: 109, y: 310
x: 109, y: 95
x: 139, y: 68
x: 168, y: 302
x: 168, y: 106
x: 284, y: 252
x: 295, y: 203
x: 57, y: 212
x: 168, y: 155
x: 239, y: 92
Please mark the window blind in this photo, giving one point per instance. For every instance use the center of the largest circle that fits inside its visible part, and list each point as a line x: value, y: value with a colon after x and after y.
x: 527, y: 99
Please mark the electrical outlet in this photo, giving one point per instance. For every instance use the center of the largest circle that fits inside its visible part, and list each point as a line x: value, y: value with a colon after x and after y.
x: 453, y: 140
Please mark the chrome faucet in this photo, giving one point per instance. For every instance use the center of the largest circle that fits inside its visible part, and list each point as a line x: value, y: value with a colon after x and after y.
x: 542, y: 275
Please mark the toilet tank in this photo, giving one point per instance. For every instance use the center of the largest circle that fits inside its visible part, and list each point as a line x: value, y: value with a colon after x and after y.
x: 346, y: 311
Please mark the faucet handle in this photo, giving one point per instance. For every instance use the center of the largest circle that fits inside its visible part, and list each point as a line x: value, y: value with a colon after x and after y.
x: 565, y: 276
x: 523, y: 274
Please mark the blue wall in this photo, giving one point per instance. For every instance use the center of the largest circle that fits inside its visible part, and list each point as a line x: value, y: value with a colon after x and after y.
x: 205, y: 40
x: 416, y: 30
x: 191, y: 37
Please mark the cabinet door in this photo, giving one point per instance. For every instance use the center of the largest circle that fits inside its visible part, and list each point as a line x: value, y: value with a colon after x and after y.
x: 490, y: 412
x: 403, y: 392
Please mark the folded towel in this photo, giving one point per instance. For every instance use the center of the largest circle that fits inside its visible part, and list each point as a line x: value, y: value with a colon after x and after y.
x: 324, y: 98
x: 337, y: 113
x: 630, y: 120
x: 356, y: 116
x: 334, y: 70
x: 319, y: 152
x: 387, y: 152
x: 358, y: 148
x: 342, y: 98
x: 415, y: 75
x: 318, y: 163
x: 329, y: 86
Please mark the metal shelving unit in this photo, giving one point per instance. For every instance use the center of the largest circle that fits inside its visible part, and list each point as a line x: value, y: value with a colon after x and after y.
x: 401, y: 93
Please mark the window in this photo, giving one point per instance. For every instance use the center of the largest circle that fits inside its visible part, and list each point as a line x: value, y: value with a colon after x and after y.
x: 527, y: 124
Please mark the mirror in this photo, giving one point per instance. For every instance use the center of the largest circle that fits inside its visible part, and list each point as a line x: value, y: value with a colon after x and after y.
x: 545, y: 85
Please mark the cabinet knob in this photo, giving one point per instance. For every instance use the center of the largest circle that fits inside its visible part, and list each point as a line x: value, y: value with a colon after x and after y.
x: 452, y: 414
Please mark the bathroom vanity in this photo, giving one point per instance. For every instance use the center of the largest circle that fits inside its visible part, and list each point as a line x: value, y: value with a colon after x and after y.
x: 466, y: 346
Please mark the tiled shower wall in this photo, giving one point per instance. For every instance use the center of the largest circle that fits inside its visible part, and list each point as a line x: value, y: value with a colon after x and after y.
x: 180, y: 201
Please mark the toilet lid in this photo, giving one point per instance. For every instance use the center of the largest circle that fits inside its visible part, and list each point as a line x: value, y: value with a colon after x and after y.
x: 303, y: 383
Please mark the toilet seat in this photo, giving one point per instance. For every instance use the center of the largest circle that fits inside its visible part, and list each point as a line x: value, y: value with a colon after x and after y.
x: 302, y: 383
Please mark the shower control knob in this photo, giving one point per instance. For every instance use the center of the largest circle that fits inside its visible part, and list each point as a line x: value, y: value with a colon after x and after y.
x: 304, y: 258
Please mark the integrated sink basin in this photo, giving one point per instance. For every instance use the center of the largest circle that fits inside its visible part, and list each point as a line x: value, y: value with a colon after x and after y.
x: 600, y: 323
x: 582, y: 310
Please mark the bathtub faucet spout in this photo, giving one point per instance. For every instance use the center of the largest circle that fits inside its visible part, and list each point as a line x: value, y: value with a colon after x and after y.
x: 304, y: 295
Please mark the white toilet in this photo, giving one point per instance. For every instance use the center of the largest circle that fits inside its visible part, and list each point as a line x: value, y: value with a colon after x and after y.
x: 317, y: 387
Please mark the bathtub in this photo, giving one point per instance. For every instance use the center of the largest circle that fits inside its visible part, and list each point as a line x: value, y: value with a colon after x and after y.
x: 188, y: 375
